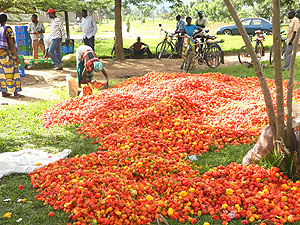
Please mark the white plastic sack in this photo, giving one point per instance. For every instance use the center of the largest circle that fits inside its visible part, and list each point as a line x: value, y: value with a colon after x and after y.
x: 25, y: 161
x: 262, y: 148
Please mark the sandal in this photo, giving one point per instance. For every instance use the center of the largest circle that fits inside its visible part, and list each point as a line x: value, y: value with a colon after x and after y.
x: 5, y: 94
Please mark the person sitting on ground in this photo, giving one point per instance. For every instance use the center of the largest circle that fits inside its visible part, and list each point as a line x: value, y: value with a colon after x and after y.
x: 10, y: 81
x: 88, y: 62
x: 137, y: 49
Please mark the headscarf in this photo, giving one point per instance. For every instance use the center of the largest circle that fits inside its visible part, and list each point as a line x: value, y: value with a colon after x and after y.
x: 98, y: 66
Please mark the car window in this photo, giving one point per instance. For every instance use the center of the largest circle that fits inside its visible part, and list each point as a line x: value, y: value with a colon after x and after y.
x: 246, y: 22
x: 257, y: 22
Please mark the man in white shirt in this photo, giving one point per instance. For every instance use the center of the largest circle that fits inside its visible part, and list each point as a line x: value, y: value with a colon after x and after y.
x: 58, y: 36
x: 291, y: 34
x: 89, y: 29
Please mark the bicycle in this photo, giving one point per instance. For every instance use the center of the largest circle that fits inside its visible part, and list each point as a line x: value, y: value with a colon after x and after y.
x: 167, y: 48
x: 283, y: 47
x: 209, y: 50
x: 244, y: 56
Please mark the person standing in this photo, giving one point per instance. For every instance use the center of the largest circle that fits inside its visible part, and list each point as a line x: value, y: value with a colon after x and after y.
x: 58, y: 36
x: 291, y: 34
x: 179, y: 30
x: 10, y: 82
x: 201, y: 21
x: 128, y: 26
x: 36, y: 30
x: 87, y: 62
x: 179, y: 25
x: 189, y: 29
x: 89, y: 29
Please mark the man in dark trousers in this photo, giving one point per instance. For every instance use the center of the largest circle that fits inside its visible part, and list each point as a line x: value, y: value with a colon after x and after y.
x: 291, y: 34
x: 137, y: 49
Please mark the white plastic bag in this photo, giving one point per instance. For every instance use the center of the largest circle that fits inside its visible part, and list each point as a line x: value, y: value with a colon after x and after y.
x: 262, y: 148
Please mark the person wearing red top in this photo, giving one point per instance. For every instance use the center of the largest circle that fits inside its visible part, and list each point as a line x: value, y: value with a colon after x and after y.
x: 137, y: 49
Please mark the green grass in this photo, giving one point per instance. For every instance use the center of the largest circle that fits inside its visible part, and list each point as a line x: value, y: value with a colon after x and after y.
x: 104, y: 45
x: 243, y: 71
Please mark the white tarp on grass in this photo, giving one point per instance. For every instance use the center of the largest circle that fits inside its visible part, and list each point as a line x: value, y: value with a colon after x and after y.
x: 26, y: 161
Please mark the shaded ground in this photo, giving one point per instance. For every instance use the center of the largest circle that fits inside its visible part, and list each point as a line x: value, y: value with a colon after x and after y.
x: 39, y: 84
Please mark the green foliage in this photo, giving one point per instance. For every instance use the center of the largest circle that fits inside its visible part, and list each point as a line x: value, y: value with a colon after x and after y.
x: 273, y: 159
x: 59, y: 6
x: 213, y: 10
x: 15, y: 6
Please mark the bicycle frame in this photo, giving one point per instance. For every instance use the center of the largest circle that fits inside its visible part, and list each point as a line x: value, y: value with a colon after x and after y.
x: 169, y: 37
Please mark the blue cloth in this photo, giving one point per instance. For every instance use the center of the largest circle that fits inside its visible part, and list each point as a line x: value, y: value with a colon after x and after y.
x: 190, y: 30
x: 55, y: 51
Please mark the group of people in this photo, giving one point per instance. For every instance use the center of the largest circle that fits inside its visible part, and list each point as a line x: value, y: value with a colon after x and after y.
x: 86, y: 58
x: 188, y: 29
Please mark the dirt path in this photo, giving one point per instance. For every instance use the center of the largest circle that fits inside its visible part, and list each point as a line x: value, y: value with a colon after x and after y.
x: 40, y: 84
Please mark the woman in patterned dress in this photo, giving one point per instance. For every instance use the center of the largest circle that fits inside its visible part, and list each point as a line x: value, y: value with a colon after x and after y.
x: 10, y: 82
x: 189, y: 31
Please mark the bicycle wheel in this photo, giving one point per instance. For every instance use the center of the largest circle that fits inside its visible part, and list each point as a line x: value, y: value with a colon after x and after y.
x: 187, y: 61
x: 283, y: 47
x: 244, y: 56
x: 259, y: 50
x: 164, y: 50
x: 212, y: 56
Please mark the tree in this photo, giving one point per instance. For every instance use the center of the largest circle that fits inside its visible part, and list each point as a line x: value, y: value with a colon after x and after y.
x: 276, y: 121
x: 15, y: 6
x: 118, y: 30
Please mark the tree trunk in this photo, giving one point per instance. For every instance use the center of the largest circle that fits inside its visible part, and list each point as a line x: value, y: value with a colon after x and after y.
x: 289, y: 129
x: 118, y: 31
x: 142, y: 17
x: 277, y: 71
x: 153, y: 16
x: 256, y: 65
x: 67, y: 24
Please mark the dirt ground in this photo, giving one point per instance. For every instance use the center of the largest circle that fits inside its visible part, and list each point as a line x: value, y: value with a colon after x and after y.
x: 39, y: 84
